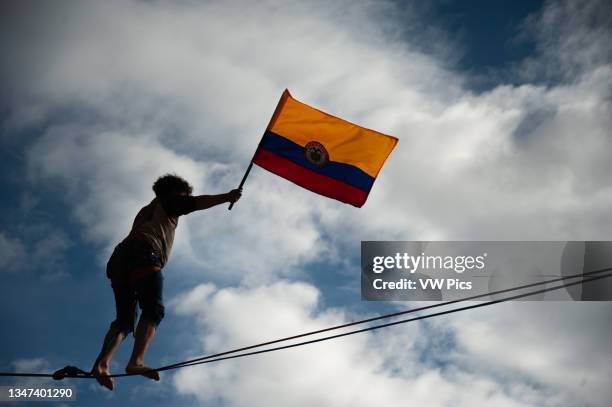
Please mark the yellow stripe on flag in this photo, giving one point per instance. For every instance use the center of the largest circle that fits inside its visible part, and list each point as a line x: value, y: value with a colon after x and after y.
x: 345, y: 142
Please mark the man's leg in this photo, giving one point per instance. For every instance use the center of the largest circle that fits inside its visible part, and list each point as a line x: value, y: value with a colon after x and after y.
x: 149, y: 294
x: 125, y: 304
x: 100, y: 369
x: 144, y: 334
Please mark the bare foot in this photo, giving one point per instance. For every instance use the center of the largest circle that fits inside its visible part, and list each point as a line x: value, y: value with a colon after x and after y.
x: 142, y: 370
x: 101, y: 372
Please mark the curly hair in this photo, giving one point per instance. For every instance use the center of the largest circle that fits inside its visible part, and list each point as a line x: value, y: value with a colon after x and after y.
x: 171, y: 184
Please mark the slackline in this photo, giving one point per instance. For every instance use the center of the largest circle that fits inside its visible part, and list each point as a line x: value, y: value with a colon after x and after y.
x: 74, y: 372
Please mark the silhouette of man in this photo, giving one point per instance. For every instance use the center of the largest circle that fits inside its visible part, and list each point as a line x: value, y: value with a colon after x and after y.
x: 135, y: 271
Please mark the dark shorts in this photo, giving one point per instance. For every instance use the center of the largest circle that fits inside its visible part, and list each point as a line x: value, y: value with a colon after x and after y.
x: 147, y: 292
x: 131, y: 255
x: 132, y: 286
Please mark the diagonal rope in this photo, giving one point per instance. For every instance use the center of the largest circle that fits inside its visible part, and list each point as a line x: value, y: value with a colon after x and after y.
x: 76, y: 373
x: 385, y: 316
x: 215, y: 358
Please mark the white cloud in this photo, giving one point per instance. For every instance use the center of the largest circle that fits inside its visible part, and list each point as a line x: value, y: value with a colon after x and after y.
x: 563, y: 346
x: 30, y: 365
x: 573, y: 38
x: 44, y: 253
x: 33, y: 365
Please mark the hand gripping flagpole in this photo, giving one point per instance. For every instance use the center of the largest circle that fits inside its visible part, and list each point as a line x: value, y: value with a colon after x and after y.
x: 246, y: 174
x: 279, y: 106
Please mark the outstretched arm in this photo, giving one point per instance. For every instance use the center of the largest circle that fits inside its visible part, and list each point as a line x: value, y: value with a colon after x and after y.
x: 177, y: 205
x: 208, y: 201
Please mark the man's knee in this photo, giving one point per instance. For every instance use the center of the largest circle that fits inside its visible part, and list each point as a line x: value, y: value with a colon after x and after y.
x: 123, y: 326
x: 154, y: 313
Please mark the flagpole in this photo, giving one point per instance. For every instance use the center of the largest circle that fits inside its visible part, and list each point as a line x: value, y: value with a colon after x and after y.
x: 246, y: 174
x: 283, y: 97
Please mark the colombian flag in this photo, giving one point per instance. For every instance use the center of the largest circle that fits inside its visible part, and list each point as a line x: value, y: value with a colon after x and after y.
x: 322, y: 153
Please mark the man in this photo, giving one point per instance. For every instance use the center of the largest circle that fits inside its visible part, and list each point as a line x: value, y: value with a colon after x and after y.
x: 135, y: 271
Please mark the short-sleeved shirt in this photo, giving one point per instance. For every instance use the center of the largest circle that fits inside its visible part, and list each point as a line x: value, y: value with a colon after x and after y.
x: 156, y: 222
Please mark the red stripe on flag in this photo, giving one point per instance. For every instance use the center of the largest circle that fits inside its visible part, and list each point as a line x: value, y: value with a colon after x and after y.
x: 310, y: 180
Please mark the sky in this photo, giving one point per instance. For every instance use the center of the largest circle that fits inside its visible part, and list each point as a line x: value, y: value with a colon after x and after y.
x: 502, y: 111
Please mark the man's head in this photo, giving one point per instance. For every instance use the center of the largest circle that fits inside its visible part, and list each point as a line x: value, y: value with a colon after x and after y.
x: 171, y: 184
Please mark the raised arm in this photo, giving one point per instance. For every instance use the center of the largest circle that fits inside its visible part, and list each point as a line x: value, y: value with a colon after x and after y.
x: 177, y: 205
x: 208, y: 201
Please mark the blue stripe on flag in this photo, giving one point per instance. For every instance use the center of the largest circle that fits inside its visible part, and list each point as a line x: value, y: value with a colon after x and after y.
x: 342, y: 172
